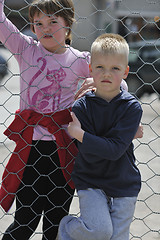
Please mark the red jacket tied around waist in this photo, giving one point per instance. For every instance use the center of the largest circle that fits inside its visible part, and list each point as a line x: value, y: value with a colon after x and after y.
x: 21, y: 131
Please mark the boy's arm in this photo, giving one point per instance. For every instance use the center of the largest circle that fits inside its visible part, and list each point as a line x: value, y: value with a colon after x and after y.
x: 115, y: 143
x: 74, y: 128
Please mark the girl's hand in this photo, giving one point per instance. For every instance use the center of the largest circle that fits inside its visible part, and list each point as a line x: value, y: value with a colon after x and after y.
x: 74, y: 128
x: 139, y: 133
x: 86, y: 86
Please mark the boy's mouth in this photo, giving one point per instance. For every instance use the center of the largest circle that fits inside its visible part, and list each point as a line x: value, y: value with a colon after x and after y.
x: 106, y: 81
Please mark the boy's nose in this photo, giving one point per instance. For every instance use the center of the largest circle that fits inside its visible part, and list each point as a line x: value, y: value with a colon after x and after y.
x: 106, y: 72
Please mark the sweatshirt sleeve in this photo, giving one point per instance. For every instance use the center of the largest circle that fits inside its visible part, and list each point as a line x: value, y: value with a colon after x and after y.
x: 10, y: 36
x: 118, y: 139
x: 2, y: 16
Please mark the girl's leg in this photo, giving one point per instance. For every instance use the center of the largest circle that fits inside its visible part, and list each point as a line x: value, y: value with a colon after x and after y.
x: 29, y: 204
x: 57, y: 203
x: 94, y: 222
x: 57, y: 206
x: 43, y: 189
x: 26, y: 219
x: 122, y: 211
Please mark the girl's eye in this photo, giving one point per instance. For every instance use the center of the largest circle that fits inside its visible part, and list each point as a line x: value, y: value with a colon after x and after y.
x: 53, y: 21
x: 38, y: 24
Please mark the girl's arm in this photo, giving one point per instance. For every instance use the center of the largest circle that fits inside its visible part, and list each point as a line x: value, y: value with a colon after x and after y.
x: 139, y: 133
x: 10, y: 36
x: 86, y: 86
x: 89, y: 84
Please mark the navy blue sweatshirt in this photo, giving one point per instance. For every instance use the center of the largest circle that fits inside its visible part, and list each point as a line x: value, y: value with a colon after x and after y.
x: 106, y: 160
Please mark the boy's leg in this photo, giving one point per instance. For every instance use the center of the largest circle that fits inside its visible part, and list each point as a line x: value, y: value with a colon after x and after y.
x: 94, y: 222
x: 122, y: 211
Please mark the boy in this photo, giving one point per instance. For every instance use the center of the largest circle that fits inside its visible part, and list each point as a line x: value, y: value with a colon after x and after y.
x: 105, y: 122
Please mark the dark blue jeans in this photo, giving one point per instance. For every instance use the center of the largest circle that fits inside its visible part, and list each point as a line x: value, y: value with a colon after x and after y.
x: 43, y: 191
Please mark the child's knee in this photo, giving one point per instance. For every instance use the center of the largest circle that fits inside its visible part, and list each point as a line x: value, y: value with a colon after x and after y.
x: 74, y: 228
x: 99, y: 231
x: 103, y: 233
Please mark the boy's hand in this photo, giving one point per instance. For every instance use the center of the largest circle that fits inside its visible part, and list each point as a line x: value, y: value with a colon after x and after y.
x: 74, y: 128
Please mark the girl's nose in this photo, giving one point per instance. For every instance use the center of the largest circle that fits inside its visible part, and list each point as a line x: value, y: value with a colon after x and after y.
x: 46, y: 29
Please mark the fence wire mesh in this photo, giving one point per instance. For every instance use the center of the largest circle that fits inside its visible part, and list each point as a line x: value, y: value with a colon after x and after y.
x: 138, y: 22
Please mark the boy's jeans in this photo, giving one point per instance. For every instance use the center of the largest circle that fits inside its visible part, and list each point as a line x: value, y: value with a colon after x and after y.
x: 102, y: 218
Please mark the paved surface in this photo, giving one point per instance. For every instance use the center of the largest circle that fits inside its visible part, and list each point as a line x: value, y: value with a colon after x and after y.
x: 146, y: 222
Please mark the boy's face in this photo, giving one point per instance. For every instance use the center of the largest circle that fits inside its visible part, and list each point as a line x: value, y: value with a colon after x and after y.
x: 108, y: 71
x: 50, y: 31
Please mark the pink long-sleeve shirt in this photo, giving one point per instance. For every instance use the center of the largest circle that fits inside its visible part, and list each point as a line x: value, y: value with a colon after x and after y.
x: 48, y: 81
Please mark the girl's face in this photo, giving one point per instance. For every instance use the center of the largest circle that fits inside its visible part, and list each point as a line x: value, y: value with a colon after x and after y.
x: 50, y: 31
x: 108, y: 71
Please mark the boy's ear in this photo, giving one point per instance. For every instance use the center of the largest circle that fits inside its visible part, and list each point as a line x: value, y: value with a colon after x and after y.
x: 126, y: 72
x: 90, y: 69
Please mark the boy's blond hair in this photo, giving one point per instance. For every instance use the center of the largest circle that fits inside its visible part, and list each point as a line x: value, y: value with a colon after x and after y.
x: 110, y: 43
x: 62, y: 8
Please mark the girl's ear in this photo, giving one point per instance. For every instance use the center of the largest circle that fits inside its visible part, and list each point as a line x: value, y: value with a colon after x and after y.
x: 32, y: 28
x: 126, y: 72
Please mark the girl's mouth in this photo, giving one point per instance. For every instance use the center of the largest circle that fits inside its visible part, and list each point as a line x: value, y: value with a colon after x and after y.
x: 47, y: 36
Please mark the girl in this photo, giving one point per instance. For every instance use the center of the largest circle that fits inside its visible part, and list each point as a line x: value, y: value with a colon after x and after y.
x: 49, y: 74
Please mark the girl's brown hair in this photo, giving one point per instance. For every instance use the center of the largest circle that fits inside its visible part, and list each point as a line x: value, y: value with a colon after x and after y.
x: 62, y: 8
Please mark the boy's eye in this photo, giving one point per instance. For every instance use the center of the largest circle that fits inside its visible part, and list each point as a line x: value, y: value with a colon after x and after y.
x: 115, y: 68
x: 99, y: 66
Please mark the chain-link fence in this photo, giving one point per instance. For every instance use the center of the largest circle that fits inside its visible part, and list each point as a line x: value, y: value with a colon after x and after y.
x: 138, y: 22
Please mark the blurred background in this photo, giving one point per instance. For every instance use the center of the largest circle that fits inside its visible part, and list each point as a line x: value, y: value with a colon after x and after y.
x: 138, y: 21
x: 133, y: 19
